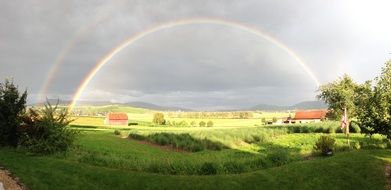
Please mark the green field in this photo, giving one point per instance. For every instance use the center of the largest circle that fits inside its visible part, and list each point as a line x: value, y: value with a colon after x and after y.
x: 105, y: 161
x: 252, y: 156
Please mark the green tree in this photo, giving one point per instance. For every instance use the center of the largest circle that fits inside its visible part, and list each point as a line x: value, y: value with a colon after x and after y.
x: 12, y: 106
x: 158, y: 118
x: 202, y: 123
x: 338, y: 95
x: 209, y: 124
x: 374, y: 104
x: 275, y: 119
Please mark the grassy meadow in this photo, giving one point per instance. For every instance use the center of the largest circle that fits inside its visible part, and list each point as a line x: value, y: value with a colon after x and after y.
x: 233, y: 154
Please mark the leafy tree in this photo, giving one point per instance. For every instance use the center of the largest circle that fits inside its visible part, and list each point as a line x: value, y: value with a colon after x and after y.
x: 202, y: 123
x: 209, y: 124
x: 275, y: 119
x: 12, y: 106
x: 158, y: 118
x: 338, y: 95
x: 374, y: 104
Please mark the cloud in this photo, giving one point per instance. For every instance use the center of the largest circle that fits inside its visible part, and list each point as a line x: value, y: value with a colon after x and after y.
x: 211, y: 62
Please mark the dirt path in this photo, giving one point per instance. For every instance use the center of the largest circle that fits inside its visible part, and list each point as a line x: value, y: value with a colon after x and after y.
x: 8, y: 182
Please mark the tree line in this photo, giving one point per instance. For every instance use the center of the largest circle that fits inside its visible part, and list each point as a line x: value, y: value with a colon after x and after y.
x: 368, y: 104
x: 212, y: 115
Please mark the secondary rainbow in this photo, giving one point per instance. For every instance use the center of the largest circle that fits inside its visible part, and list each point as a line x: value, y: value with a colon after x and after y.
x: 105, y: 59
x: 76, y: 38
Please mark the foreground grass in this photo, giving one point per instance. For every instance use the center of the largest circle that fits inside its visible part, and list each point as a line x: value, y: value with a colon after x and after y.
x: 350, y: 170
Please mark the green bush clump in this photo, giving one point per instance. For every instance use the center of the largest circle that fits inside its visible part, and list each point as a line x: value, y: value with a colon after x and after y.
x: 252, y: 139
x: 209, y: 168
x: 117, y: 132
x: 319, y: 130
x: 325, y: 145
x: 330, y: 130
x: 180, y: 141
x: 296, y: 129
x: 354, y: 128
x: 46, y: 131
x: 202, y: 124
x: 305, y: 129
x: 209, y: 124
x: 136, y: 136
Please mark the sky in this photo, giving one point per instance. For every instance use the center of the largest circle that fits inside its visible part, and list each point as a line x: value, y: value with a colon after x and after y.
x: 201, y: 66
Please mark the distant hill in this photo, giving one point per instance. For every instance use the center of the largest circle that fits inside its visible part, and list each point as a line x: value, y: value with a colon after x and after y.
x: 306, y: 105
x: 144, y: 105
x: 150, y: 106
x: 310, y: 105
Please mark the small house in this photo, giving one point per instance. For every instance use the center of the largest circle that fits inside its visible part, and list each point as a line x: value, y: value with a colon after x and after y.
x: 116, y: 119
x: 312, y: 116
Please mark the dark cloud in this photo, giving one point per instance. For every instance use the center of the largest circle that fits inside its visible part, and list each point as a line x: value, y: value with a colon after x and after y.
x: 203, y: 66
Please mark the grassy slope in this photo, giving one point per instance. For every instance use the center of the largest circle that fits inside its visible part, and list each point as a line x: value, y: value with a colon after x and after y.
x: 350, y: 170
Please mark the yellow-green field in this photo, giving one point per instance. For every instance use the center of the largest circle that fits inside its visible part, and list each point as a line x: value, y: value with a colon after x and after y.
x: 144, y: 115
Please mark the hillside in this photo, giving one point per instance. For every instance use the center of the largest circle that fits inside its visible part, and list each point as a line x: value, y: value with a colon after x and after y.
x: 306, y: 105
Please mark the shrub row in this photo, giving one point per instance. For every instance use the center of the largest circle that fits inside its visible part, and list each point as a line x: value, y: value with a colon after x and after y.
x: 184, y: 123
x: 181, y: 141
x: 323, y: 127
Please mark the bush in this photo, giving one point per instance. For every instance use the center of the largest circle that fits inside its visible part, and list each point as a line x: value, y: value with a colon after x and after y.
x: 136, y: 136
x: 318, y: 130
x: 325, y: 145
x: 46, y: 131
x: 305, y: 129
x: 12, y: 106
x: 354, y: 128
x: 117, y: 132
x: 263, y: 120
x: 158, y: 118
x: 252, y: 139
x: 208, y: 168
x: 202, y: 123
x: 182, y: 141
x: 209, y: 124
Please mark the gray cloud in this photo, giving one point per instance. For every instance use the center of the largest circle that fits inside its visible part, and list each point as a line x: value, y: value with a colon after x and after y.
x: 199, y: 65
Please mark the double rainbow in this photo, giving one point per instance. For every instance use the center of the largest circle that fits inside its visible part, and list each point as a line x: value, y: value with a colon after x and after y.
x: 105, y: 59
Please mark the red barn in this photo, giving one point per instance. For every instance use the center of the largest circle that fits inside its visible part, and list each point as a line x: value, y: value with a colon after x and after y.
x: 309, y: 116
x: 116, y: 119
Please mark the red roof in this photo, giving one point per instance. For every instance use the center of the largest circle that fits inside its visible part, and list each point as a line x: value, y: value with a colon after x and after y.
x: 302, y: 115
x: 117, y: 116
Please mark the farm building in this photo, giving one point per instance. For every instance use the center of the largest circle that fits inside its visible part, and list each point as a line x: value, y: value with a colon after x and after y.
x: 116, y: 119
x: 312, y: 116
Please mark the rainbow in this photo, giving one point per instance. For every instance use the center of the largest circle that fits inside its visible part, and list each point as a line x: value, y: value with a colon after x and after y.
x: 74, y: 40
x: 105, y: 59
